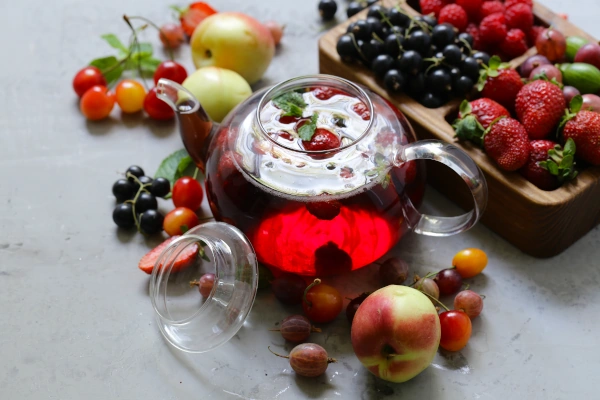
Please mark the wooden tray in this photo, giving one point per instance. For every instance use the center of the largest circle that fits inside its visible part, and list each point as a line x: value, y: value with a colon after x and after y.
x: 539, y: 223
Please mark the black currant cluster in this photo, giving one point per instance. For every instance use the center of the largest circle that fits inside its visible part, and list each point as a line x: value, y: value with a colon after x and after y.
x: 137, y: 206
x: 357, y: 6
x: 430, y: 62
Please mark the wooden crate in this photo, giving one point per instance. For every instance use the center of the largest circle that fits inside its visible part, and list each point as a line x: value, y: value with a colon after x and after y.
x: 538, y: 222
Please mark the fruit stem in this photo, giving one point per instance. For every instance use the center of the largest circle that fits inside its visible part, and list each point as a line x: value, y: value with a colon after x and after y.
x: 314, y: 283
x: 161, y: 33
x: 194, y: 283
x: 279, y: 355
x: 436, y: 300
x: 135, y: 44
x: 331, y: 360
x: 195, y: 173
x: 315, y: 329
x: 429, y: 275
x: 140, y: 190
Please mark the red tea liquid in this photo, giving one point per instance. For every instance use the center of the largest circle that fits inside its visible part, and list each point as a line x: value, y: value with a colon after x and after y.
x: 329, y: 231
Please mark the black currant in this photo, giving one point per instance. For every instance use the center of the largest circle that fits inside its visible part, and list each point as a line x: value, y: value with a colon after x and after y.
x: 427, y: 19
x: 452, y: 54
x: 392, y: 44
x: 431, y: 100
x: 123, y: 190
x: 327, y: 9
x: 465, y: 37
x: 419, y: 41
x: 470, y: 68
x: 396, y: 29
x: 411, y: 62
x: 482, y: 56
x: 382, y: 64
x: 135, y: 171
x: 398, y: 18
x: 346, y: 48
x: 371, y: 2
x: 160, y: 187
x: 145, y: 180
x: 439, y: 80
x: 151, y: 221
x: 361, y: 30
x: 145, y: 201
x: 377, y: 11
x: 371, y: 49
x: 394, y: 80
x: 416, y: 84
x: 123, y: 216
x: 354, y: 8
x: 455, y: 74
x: 463, y: 85
x: 443, y: 35
x: 377, y: 27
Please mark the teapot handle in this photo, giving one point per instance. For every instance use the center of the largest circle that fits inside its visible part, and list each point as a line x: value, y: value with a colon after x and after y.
x: 465, y: 167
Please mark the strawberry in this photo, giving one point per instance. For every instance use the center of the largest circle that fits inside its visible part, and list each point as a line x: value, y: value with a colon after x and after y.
x: 475, y: 117
x: 584, y: 128
x: 500, y: 83
x: 454, y: 15
x: 184, y: 260
x: 327, y: 92
x: 549, y: 165
x: 489, y: 8
x: 493, y: 29
x: 515, y: 43
x: 519, y: 16
x: 505, y: 141
x: 191, y: 16
x: 432, y: 6
x: 540, y: 105
x: 471, y: 7
x: 533, y: 33
x: 510, y: 3
x: 322, y: 139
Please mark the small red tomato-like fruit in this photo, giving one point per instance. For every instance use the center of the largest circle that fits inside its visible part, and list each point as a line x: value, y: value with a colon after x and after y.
x: 130, y: 96
x: 469, y: 302
x: 156, y: 108
x: 170, y: 70
x: 322, y: 303
x: 171, y: 35
x: 205, y: 284
x: 449, y: 281
x: 470, y: 262
x: 276, y: 30
x: 456, y: 330
x: 179, y: 221
x: 86, y: 78
x: 187, y: 192
x: 97, y: 103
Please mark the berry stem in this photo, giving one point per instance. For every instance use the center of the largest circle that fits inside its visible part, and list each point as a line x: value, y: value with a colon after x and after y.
x: 161, y: 33
x: 436, y: 300
x: 278, y: 355
x: 314, y: 283
x: 140, y: 190
x: 428, y: 275
x: 195, y: 173
x: 136, y: 44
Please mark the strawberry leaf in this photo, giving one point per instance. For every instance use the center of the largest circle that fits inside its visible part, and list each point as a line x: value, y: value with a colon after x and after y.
x: 307, y: 130
x: 495, y: 63
x: 465, y: 108
x: 576, y: 104
x: 569, y: 147
x: 469, y: 128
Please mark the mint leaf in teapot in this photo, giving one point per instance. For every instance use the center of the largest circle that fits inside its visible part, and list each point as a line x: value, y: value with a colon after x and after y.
x: 307, y: 130
x: 291, y: 103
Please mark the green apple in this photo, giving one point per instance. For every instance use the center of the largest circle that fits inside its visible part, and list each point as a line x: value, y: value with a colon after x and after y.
x: 234, y: 41
x: 218, y: 90
x: 396, y: 333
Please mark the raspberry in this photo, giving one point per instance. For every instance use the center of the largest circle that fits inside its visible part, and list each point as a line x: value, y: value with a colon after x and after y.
x: 493, y: 29
x: 533, y: 33
x: 473, y: 30
x: 519, y: 16
x: 515, y: 43
x: 454, y: 15
x: 489, y: 8
x: 510, y: 3
x: 471, y: 7
x: 432, y: 6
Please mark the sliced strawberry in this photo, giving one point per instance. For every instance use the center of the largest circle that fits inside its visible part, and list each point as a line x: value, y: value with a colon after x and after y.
x: 362, y: 110
x: 184, y: 260
x: 326, y: 92
x: 322, y: 140
x: 192, y: 16
x: 288, y: 119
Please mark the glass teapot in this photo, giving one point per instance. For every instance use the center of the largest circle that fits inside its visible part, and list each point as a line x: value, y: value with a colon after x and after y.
x: 323, y: 176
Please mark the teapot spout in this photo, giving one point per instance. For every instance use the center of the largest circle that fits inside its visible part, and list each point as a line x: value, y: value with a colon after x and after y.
x: 195, y: 126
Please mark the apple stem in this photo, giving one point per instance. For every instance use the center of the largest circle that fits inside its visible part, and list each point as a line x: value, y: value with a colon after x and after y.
x: 278, y: 355
x: 436, y: 300
x: 315, y: 283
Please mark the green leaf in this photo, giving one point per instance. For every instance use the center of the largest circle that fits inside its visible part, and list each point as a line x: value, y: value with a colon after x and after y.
x: 178, y: 9
x: 186, y: 167
x: 141, y: 50
x: 576, y: 103
x: 201, y: 251
x: 168, y: 168
x: 149, y: 64
x: 291, y: 103
x: 569, y: 147
x: 110, y: 68
x: 566, y: 162
x: 114, y: 42
x: 552, y: 167
x: 307, y: 130
x: 385, y: 182
x: 465, y: 108
x: 184, y: 228
x: 495, y: 62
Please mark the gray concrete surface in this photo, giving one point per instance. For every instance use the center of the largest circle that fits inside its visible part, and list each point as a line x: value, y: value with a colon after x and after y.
x: 75, y: 318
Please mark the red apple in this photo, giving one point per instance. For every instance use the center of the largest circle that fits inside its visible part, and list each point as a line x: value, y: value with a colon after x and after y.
x: 233, y: 41
x: 396, y: 333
